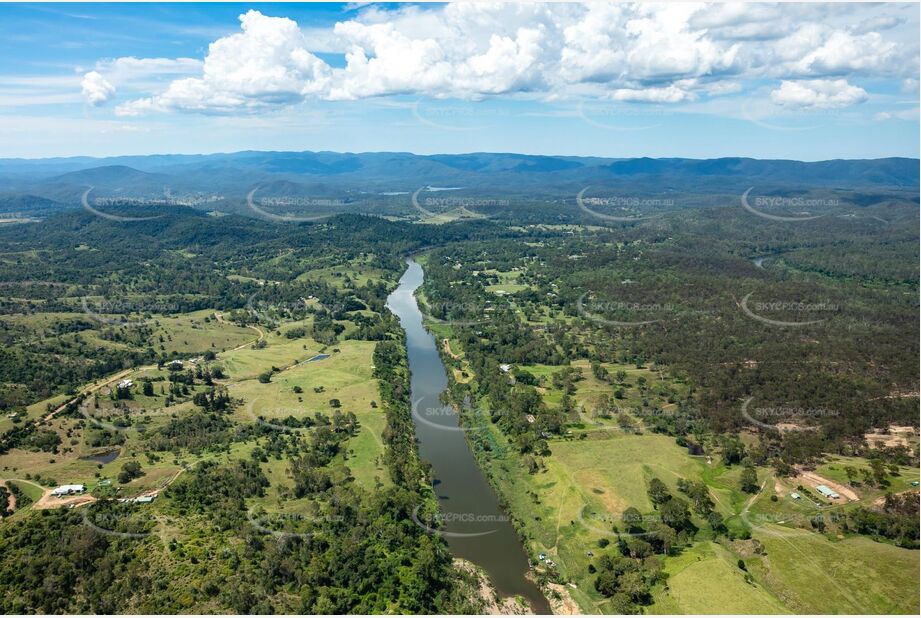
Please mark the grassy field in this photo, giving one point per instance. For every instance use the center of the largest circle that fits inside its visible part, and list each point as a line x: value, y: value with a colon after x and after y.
x: 705, y: 580
x: 189, y: 333
x: 857, y: 575
x: 345, y: 374
x: 599, y: 470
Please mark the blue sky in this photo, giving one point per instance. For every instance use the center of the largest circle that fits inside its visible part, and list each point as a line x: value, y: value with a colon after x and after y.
x: 808, y: 82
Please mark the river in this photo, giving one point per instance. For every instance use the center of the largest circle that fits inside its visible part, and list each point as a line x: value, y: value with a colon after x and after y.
x: 476, y: 528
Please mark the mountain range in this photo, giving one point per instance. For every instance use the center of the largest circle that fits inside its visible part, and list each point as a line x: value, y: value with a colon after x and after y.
x: 381, y: 176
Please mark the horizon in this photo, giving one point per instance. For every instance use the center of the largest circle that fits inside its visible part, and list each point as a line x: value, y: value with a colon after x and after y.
x: 803, y: 82
x: 435, y: 154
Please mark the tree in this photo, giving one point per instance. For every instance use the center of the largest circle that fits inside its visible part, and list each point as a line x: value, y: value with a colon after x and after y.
x: 130, y: 471
x: 147, y: 388
x: 749, y: 480
x: 818, y: 522
x: 632, y: 520
x: 266, y: 377
x: 675, y: 513
x: 658, y: 492
x: 851, y: 472
x: 716, y: 522
x: 879, y: 472
x: 733, y: 450
x: 662, y: 538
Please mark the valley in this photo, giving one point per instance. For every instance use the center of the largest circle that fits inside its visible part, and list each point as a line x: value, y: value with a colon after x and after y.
x: 633, y: 416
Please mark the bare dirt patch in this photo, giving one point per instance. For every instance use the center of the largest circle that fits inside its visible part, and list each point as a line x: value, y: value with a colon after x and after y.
x: 493, y: 604
x: 779, y: 488
x: 448, y: 351
x: 881, y: 501
x: 47, y: 501
x: 812, y: 480
x: 563, y: 606
x: 897, y: 435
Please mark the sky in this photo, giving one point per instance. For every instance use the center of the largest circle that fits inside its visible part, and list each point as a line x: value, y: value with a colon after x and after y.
x: 795, y: 81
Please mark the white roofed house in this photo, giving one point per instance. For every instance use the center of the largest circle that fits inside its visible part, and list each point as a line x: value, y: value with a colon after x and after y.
x: 68, y: 490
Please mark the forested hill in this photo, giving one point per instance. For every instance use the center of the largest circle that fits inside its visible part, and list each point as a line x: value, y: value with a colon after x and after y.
x: 358, y: 176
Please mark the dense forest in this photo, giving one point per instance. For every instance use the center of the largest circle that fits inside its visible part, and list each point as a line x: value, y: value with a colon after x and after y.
x: 835, y: 349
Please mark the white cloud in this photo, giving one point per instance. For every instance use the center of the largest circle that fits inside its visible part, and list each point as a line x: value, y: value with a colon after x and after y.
x: 842, y: 52
x: 877, y: 23
x: 671, y: 94
x: 910, y: 114
x: 267, y: 64
x: 129, y: 67
x: 818, y: 94
x: 631, y: 52
x: 96, y: 89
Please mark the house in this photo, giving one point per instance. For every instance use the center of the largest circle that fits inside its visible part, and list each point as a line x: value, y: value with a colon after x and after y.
x: 505, y: 368
x: 827, y: 492
x: 795, y: 496
x: 126, y: 383
x: 67, y: 490
x: 144, y: 499
x: 530, y: 418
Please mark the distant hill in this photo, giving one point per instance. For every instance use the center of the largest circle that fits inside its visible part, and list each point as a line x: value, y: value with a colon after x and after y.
x: 228, y: 177
x: 107, y: 175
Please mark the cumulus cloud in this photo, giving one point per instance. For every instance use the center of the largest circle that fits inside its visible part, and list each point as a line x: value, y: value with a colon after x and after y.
x: 96, y: 89
x: 266, y: 64
x: 637, y: 52
x: 818, y: 94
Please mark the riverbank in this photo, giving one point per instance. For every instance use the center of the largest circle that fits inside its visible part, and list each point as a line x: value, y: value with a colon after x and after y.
x: 474, y: 525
